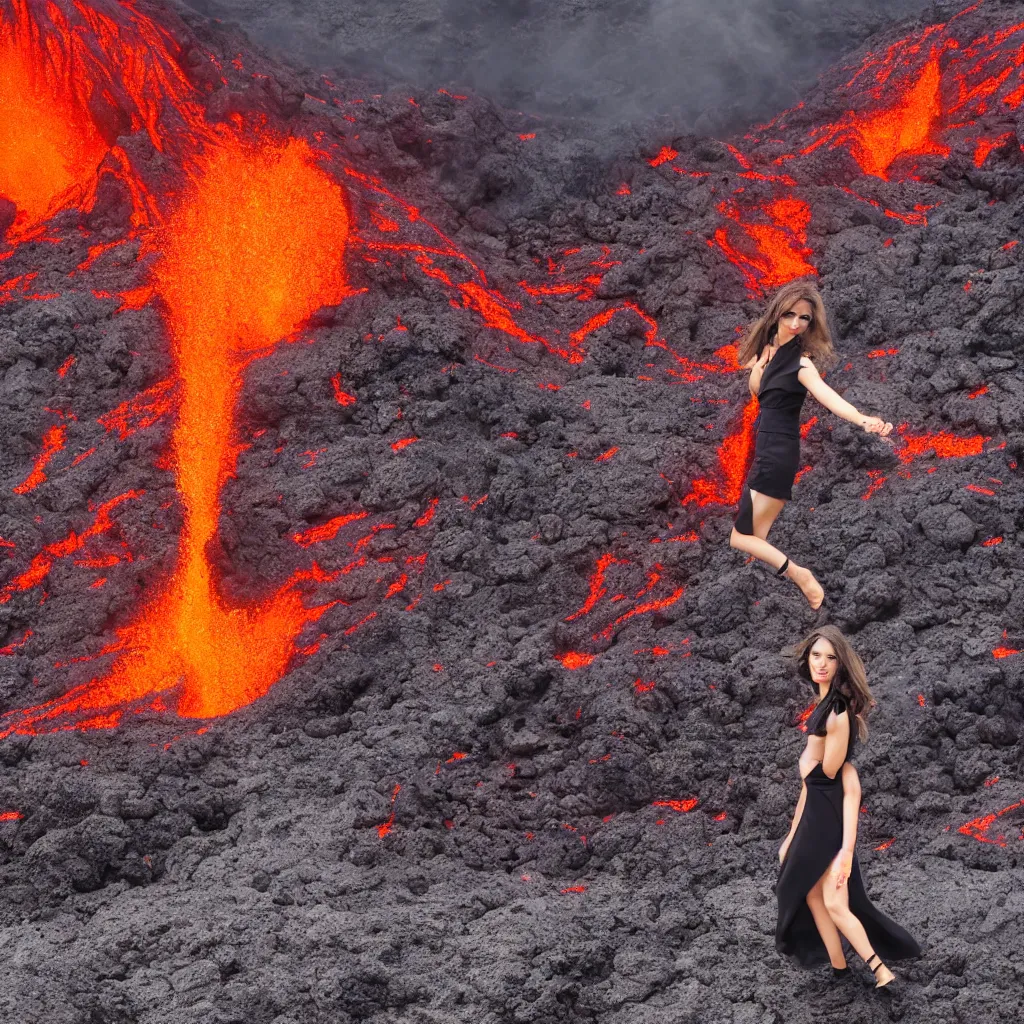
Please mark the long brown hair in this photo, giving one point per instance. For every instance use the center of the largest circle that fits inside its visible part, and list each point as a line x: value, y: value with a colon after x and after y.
x: 851, y: 680
x: 815, y: 342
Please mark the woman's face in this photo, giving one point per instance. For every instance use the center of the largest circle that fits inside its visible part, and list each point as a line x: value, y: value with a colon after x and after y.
x: 795, y: 320
x: 822, y: 662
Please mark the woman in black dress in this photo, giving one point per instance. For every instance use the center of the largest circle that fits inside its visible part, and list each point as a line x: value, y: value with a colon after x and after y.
x: 780, y: 350
x: 820, y: 891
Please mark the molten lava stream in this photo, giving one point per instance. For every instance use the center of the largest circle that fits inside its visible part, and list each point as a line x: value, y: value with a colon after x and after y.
x: 66, y: 69
x: 49, y: 146
x: 256, y: 246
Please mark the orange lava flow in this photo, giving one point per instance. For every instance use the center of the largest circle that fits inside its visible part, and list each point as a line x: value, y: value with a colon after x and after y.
x: 66, y: 68
x: 940, y: 444
x: 682, y: 806
x: 256, y: 246
x: 53, y: 441
x: 49, y: 146
x: 978, y: 828
x: 772, y: 249
x: 907, y: 128
x: 734, y: 455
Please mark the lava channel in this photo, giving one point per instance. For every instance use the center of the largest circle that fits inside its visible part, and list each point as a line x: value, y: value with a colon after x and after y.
x: 256, y: 246
x: 73, y: 78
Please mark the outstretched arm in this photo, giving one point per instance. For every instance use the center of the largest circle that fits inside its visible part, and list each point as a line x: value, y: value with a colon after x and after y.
x: 811, y: 379
x: 797, y: 815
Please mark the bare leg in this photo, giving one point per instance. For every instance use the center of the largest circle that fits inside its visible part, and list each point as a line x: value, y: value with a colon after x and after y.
x: 837, y: 904
x: 826, y: 927
x: 766, y: 511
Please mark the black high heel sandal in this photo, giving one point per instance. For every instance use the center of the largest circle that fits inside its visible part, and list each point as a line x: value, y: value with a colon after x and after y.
x: 875, y: 970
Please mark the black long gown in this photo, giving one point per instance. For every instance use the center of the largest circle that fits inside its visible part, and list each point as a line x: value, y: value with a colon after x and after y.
x: 818, y: 839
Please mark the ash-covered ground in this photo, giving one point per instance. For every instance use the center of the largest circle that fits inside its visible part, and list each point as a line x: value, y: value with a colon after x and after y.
x: 544, y: 779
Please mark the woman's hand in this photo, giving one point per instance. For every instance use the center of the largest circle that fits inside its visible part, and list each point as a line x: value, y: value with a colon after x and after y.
x: 875, y: 425
x: 841, y: 868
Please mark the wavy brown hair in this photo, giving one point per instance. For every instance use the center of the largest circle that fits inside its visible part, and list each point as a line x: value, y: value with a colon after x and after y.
x: 851, y: 680
x: 815, y: 342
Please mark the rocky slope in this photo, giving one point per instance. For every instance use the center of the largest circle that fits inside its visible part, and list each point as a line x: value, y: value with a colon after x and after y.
x: 533, y: 755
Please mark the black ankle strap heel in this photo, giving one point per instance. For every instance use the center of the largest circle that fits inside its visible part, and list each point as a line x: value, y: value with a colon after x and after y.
x: 889, y: 985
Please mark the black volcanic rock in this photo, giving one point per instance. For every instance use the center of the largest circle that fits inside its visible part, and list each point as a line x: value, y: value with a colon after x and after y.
x: 431, y: 817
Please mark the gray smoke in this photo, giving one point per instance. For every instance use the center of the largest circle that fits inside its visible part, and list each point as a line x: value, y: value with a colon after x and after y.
x: 705, y: 65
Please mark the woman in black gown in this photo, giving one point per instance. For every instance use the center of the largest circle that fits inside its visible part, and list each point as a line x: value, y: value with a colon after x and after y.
x: 780, y: 350
x: 820, y: 890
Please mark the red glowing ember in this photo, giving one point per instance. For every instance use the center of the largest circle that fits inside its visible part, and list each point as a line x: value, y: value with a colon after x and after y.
x: 801, y: 719
x: 575, y: 659
x: 53, y: 442
x: 877, y: 478
x: 665, y: 155
x: 682, y: 806
x: 978, y: 828
x: 385, y: 828
x: 940, y: 444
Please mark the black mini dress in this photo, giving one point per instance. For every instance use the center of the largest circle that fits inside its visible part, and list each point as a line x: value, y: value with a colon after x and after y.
x: 777, y: 445
x: 818, y: 838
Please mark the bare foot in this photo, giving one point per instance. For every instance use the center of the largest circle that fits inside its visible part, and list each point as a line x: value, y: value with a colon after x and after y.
x: 808, y: 585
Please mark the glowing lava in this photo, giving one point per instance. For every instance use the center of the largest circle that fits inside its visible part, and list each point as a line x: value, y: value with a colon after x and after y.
x: 907, y: 128
x: 734, y: 455
x: 771, y: 248
x: 978, y: 828
x: 73, y: 77
x: 941, y: 444
x: 49, y: 146
x: 256, y: 246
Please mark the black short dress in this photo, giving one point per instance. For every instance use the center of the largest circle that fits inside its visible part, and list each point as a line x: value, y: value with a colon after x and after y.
x: 818, y: 838
x: 777, y: 444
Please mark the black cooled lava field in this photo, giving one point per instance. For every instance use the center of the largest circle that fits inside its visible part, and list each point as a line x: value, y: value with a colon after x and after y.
x: 371, y: 648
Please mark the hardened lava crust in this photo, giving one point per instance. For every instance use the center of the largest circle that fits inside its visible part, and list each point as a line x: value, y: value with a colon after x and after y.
x: 371, y: 648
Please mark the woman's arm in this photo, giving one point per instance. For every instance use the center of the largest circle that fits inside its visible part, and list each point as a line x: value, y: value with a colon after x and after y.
x: 851, y: 807
x: 797, y: 815
x: 810, y: 378
x: 842, y: 864
x: 756, y: 367
x: 837, y: 743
